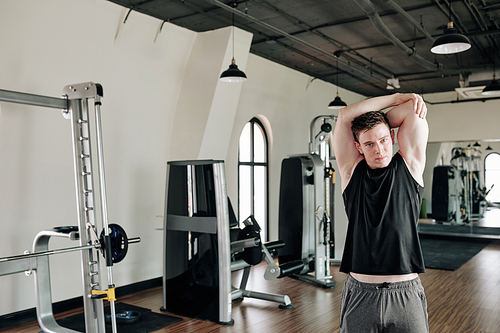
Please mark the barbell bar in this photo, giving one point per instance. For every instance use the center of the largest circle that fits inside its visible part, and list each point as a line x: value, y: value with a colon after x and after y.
x: 63, y: 250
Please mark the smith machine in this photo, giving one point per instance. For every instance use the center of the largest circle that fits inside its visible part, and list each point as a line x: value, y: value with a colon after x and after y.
x: 112, y: 241
x: 306, y: 207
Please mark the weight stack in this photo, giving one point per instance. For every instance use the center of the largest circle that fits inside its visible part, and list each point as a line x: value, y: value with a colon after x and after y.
x: 197, y: 271
x: 443, y: 193
x: 291, y: 209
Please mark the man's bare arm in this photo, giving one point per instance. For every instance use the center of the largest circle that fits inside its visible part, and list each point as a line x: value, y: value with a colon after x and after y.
x: 412, y: 135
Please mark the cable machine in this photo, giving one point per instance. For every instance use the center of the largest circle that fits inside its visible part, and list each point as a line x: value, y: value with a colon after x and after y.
x: 458, y: 193
x: 306, y: 207
x: 112, y: 242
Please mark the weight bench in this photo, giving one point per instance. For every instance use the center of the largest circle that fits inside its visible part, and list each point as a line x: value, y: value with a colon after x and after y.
x: 247, y: 250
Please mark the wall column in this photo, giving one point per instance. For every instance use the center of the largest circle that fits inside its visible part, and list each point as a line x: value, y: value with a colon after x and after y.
x: 206, y: 109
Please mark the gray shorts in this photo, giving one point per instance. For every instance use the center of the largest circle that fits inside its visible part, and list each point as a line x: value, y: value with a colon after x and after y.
x: 386, y: 307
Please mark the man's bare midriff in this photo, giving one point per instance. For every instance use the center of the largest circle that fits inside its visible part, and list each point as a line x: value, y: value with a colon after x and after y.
x: 383, y: 278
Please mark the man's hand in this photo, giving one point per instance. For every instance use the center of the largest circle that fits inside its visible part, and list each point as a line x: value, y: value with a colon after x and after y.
x: 418, y: 103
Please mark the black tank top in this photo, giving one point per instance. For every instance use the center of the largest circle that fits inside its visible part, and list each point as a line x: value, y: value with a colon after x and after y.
x: 382, y: 206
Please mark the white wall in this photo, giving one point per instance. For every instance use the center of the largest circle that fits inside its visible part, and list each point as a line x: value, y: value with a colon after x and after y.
x: 60, y: 42
x: 464, y: 121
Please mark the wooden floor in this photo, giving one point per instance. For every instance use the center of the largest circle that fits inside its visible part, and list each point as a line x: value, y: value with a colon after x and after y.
x: 462, y: 301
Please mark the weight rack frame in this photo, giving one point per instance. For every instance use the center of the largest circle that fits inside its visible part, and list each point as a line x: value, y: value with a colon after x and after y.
x: 75, y: 106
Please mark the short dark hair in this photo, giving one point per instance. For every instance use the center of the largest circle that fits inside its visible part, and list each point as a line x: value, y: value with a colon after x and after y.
x: 367, y: 121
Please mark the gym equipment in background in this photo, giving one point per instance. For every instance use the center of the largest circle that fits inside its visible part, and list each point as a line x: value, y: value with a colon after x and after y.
x: 113, y: 241
x: 197, y: 274
x: 445, y: 184
x: 306, y: 207
x: 247, y: 250
x: 197, y: 248
x: 458, y: 195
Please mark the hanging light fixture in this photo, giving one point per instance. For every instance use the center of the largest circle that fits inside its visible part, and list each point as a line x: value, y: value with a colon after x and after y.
x: 477, y: 144
x: 489, y: 148
x: 337, y: 103
x: 451, y: 42
x: 493, y: 88
x: 233, y: 74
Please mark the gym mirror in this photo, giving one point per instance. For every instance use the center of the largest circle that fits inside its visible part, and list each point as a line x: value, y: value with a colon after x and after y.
x: 462, y: 189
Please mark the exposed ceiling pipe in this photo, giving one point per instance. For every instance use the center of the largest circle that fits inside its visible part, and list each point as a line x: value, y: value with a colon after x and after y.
x: 483, y: 33
x: 464, y: 100
x: 410, y: 18
x: 356, y: 77
x: 298, y: 40
x: 371, y: 11
x: 479, y: 21
x: 307, y: 28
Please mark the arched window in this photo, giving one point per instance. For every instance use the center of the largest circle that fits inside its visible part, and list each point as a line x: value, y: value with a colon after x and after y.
x: 492, y: 176
x: 253, y: 175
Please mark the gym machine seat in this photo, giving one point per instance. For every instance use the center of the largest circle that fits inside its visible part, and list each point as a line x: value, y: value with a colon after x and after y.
x: 247, y: 250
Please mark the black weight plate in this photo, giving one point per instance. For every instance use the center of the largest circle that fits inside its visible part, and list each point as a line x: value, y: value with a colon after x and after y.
x: 119, y: 242
x: 125, y: 317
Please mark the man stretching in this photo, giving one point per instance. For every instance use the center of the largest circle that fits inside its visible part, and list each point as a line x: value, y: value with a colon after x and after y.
x: 382, y: 197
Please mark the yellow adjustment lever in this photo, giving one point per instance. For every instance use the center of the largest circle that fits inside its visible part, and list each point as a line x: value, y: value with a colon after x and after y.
x: 108, y: 295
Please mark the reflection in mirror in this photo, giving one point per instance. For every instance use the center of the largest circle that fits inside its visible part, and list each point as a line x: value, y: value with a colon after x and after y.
x: 462, y: 189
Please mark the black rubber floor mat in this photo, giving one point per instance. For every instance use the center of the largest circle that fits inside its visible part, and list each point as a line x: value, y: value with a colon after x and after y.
x: 149, y: 321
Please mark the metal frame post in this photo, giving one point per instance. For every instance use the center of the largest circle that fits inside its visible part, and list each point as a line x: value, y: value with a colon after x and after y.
x: 224, y: 251
x: 75, y: 108
x: 82, y: 157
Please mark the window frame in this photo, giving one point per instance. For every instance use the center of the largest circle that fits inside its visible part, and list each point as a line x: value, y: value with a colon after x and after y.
x: 484, y: 167
x: 252, y: 164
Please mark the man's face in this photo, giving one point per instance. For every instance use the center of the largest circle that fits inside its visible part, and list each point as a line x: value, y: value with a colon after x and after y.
x: 376, y: 146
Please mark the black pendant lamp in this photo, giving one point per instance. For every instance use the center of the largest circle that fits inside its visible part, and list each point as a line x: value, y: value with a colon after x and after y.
x: 493, y: 88
x: 489, y: 148
x: 233, y: 74
x: 337, y: 103
x: 451, y: 42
